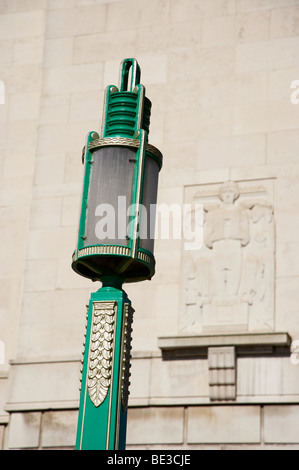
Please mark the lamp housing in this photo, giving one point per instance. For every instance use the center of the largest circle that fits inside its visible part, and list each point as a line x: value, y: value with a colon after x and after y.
x: 121, y: 171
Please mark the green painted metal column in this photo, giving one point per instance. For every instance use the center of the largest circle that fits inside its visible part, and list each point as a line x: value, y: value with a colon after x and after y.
x: 105, y: 371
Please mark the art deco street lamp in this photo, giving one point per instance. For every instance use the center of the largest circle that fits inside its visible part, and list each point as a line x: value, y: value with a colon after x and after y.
x: 115, y: 245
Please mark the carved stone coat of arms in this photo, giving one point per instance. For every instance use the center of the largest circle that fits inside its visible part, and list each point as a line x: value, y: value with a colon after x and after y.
x: 228, y: 284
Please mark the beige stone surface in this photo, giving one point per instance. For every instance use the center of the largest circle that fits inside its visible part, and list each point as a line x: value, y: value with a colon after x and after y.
x: 284, y: 22
x: 140, y: 379
x: 28, y: 51
x: 24, y: 431
x: 2, y: 431
x: 265, y: 117
x: 187, y: 378
x: 24, y: 106
x: 266, y: 55
x: 75, y: 21
x: 20, y: 72
x: 219, y: 31
x: 32, y: 25
x: 58, y: 52
x: 72, y: 78
x: 287, y: 301
x: 264, y: 376
x: 253, y: 26
x: 40, y: 276
x: 281, y: 424
x: 54, y: 109
x: 15, y: 6
x: 223, y: 424
x: 50, y: 382
x: 4, y: 416
x: 219, y: 75
x: 155, y: 425
x: 53, y: 322
x: 281, y: 146
x: 91, y: 48
x: 59, y: 429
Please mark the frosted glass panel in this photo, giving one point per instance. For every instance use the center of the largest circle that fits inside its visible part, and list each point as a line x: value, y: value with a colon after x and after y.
x: 110, y: 195
x: 148, y: 216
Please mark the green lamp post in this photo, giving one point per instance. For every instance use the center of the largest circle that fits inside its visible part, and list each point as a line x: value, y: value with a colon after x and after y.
x: 115, y: 246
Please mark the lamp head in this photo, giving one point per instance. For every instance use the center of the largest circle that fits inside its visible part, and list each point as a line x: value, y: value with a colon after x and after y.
x: 116, y: 229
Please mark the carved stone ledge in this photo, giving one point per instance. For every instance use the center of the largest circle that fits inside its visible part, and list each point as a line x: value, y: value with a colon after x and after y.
x: 248, y: 344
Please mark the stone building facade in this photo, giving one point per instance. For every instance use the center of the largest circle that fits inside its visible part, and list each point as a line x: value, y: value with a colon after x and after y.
x: 216, y: 331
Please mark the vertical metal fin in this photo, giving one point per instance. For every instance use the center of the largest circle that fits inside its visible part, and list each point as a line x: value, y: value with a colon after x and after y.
x: 126, y: 354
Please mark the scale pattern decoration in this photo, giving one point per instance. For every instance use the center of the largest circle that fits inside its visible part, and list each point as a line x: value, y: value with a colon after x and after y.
x: 101, y: 350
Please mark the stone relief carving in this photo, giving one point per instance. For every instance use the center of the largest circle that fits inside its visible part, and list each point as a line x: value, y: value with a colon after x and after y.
x: 229, y: 283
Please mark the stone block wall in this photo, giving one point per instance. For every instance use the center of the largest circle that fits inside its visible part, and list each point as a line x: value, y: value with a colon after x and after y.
x: 219, y: 74
x: 267, y: 427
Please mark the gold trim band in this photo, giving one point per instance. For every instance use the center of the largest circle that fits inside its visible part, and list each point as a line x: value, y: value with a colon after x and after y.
x: 145, y: 257
x: 111, y: 250
x: 123, y: 141
x: 104, y: 250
